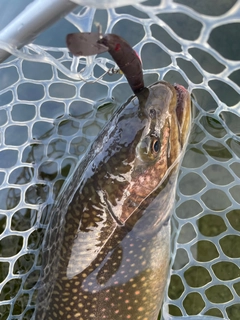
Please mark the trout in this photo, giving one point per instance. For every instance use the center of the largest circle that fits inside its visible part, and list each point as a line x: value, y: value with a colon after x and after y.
x: 106, y: 248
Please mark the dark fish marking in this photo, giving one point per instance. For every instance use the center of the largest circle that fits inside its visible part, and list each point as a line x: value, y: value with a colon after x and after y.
x: 119, y: 223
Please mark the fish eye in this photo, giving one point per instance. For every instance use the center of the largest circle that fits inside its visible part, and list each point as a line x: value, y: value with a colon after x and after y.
x: 156, y: 145
x: 148, y: 148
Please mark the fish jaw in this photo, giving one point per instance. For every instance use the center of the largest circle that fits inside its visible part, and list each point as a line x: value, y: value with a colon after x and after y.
x: 184, y: 113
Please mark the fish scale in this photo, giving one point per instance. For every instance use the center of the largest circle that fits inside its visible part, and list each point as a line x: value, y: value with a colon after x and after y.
x: 106, y: 251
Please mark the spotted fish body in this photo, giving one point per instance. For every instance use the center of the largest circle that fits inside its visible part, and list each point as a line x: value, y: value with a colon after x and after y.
x: 106, y: 251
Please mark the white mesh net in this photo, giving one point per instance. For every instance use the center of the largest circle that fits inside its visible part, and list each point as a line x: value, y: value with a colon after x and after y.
x: 48, y: 117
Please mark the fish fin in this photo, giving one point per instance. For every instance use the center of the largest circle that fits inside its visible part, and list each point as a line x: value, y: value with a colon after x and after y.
x: 85, y: 44
x: 87, y: 245
x: 111, y: 266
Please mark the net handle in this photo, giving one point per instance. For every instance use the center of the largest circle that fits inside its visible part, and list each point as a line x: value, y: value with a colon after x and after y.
x: 36, y: 17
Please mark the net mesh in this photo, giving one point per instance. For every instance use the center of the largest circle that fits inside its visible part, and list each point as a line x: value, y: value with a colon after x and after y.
x: 49, y: 116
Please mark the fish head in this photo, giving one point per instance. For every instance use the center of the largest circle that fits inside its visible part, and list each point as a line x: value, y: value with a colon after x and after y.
x: 168, y: 110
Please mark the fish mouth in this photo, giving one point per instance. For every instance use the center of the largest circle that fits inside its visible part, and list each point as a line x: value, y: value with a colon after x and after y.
x: 182, y: 100
x: 183, y: 111
x: 183, y: 104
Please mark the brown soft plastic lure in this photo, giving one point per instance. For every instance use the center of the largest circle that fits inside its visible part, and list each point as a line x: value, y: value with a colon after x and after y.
x: 86, y: 44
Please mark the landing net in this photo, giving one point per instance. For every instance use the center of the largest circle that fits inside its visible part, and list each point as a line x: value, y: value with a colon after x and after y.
x: 48, y: 117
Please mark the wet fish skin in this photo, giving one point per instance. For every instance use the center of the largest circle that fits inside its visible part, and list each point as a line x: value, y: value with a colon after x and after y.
x: 106, y: 251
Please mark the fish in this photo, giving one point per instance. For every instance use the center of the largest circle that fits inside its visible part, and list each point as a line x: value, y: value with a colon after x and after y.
x: 107, y: 246
x: 90, y: 43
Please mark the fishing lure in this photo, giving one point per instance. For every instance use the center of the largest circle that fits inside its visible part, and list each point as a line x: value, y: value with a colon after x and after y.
x: 89, y: 43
